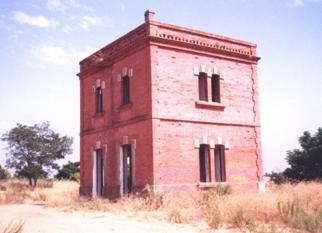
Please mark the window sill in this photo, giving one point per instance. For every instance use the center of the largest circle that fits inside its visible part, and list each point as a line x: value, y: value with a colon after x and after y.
x: 213, y: 105
x: 205, y: 185
x: 125, y: 107
x: 98, y: 114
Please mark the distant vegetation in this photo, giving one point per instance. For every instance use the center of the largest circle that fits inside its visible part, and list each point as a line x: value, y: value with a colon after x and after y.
x: 69, y: 171
x: 4, y: 174
x: 306, y: 163
x: 33, y: 150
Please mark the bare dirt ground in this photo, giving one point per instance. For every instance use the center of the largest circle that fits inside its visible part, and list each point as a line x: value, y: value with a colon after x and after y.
x: 46, y: 220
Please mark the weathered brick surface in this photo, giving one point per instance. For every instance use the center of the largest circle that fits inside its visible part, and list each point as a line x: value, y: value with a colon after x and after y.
x: 164, y: 118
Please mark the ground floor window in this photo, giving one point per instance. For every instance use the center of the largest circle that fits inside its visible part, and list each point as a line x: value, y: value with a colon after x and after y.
x: 220, y: 174
x: 204, y: 163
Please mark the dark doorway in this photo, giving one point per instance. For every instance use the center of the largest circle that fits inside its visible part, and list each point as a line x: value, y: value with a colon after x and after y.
x: 127, y: 168
x: 99, y: 172
x: 220, y: 174
x: 204, y: 163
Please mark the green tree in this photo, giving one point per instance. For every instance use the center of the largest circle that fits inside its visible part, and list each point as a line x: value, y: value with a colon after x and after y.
x: 4, y: 174
x: 306, y: 163
x: 33, y: 150
x: 69, y: 171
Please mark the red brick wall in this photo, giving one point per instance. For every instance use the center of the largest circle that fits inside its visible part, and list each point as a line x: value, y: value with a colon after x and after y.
x: 117, y: 121
x: 164, y: 117
x: 175, y: 92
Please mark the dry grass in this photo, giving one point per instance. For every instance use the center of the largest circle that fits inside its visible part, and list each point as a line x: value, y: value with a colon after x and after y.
x: 14, y: 227
x: 60, y: 193
x: 284, y: 208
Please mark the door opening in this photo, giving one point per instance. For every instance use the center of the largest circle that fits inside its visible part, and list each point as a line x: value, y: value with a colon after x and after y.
x: 98, y: 181
x: 127, y: 169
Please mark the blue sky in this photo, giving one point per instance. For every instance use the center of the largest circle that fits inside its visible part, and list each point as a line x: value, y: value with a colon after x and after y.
x: 43, y: 41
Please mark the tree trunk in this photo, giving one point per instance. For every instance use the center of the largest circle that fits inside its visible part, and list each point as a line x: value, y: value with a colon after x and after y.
x: 35, y: 182
x: 30, y: 181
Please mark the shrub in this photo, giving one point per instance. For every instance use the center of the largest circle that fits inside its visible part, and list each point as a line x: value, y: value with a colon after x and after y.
x: 175, y: 215
x: 241, y: 220
x: 278, y: 177
x: 4, y: 174
x: 300, y: 215
x: 222, y: 190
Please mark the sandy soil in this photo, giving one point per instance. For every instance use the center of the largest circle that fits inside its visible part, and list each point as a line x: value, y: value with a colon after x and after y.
x: 44, y: 220
x: 47, y: 220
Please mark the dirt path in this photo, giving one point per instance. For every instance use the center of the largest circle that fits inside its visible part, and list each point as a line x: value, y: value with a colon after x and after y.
x: 44, y: 220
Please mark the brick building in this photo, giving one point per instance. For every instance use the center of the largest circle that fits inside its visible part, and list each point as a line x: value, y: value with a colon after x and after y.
x: 170, y: 107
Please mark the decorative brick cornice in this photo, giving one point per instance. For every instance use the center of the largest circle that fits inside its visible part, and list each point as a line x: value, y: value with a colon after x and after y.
x: 170, y: 35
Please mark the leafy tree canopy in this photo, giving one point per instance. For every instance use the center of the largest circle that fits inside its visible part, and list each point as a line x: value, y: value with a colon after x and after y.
x: 306, y: 163
x: 33, y: 150
x: 69, y: 171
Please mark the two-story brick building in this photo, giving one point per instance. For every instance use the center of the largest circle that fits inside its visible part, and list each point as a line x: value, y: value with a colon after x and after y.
x: 169, y: 107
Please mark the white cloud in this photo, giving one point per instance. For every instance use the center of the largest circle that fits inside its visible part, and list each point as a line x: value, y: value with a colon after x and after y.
x: 76, y: 4
x: 60, y: 55
x: 303, y: 2
x: 88, y: 21
x: 298, y: 2
x: 54, y: 4
x: 38, y: 21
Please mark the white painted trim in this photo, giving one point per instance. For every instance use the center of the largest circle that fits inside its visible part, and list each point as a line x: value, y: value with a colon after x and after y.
x: 195, y: 70
x: 121, y: 170
x: 203, y: 68
x: 196, y: 143
x: 94, y: 181
x: 209, y: 73
x: 133, y: 145
x: 216, y: 70
x: 219, y: 140
x: 212, y: 144
x: 227, y: 145
x: 98, y: 83
x: 124, y: 71
x: 130, y: 72
x: 104, y: 160
x: 205, y: 139
x: 261, y: 186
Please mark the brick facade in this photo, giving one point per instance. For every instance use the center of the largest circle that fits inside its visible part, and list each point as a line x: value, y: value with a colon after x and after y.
x: 165, y: 121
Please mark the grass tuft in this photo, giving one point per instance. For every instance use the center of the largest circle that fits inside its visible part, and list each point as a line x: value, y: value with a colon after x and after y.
x: 282, y: 208
x: 14, y: 227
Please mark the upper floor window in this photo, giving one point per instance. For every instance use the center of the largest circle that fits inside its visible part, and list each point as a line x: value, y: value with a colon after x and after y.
x: 203, y: 90
x: 99, y: 99
x: 125, y: 90
x: 215, y: 88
